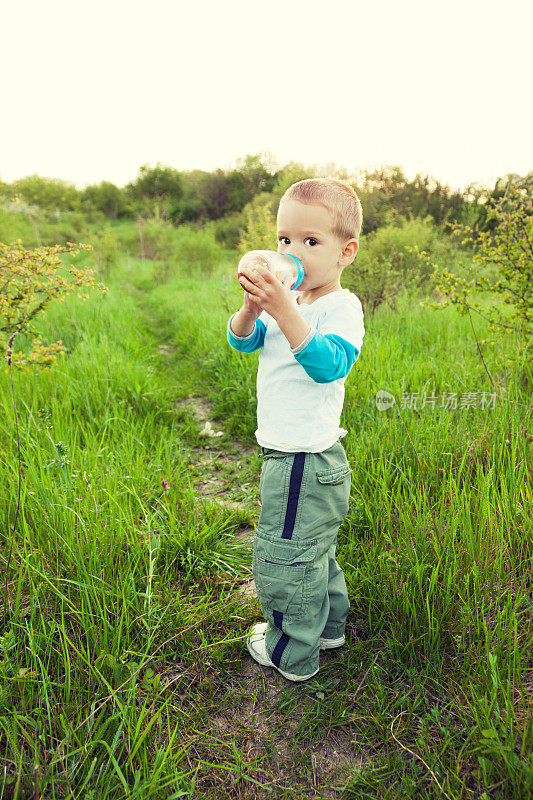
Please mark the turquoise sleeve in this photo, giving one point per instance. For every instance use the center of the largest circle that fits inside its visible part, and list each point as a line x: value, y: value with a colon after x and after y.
x: 247, y: 344
x: 327, y: 357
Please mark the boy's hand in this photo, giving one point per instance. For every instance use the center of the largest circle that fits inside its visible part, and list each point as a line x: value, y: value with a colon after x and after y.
x: 249, y: 304
x: 266, y: 291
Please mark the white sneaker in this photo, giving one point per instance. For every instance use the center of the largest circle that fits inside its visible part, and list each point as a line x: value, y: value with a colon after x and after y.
x: 325, y: 644
x: 331, y: 644
x: 256, y: 645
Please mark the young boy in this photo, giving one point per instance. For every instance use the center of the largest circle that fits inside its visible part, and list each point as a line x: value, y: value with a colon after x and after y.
x: 309, y: 341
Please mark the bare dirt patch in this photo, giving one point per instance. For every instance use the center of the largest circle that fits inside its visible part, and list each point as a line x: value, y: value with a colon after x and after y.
x: 166, y: 349
x: 259, y: 725
x: 200, y: 406
x: 247, y: 588
x: 335, y: 760
x: 219, y: 465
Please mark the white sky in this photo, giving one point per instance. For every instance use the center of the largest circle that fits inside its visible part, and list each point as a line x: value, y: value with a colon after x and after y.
x: 90, y: 91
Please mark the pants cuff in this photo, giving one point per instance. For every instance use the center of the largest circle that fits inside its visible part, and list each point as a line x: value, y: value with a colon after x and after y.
x: 333, y: 633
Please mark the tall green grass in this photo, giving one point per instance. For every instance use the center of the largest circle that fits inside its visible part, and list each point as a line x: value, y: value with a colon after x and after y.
x: 111, y: 575
x: 122, y: 635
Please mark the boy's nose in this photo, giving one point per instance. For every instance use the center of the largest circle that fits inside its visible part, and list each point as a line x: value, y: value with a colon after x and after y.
x: 293, y: 251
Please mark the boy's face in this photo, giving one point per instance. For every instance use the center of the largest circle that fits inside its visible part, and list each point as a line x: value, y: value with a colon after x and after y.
x: 304, y: 231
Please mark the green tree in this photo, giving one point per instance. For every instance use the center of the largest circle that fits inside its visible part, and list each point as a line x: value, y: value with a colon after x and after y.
x: 289, y: 174
x: 48, y: 193
x: 253, y: 174
x: 502, y: 267
x: 107, y: 198
x: 156, y: 190
x: 213, y: 195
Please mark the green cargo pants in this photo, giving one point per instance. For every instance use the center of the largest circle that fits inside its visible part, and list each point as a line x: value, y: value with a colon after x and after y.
x: 300, y: 586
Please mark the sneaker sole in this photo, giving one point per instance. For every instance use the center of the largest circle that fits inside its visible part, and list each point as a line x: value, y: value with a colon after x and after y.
x: 291, y: 677
x: 332, y: 644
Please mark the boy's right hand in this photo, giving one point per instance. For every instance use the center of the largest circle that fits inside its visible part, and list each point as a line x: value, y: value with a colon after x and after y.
x: 249, y: 305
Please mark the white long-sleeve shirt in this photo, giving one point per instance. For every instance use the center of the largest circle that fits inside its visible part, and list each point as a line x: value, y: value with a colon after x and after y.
x: 300, y: 391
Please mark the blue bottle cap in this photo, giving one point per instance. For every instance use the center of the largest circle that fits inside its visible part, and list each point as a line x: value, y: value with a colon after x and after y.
x: 301, y: 271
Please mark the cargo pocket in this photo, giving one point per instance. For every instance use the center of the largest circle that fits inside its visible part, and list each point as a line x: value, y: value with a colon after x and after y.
x: 334, y: 474
x: 281, y: 573
x: 334, y: 493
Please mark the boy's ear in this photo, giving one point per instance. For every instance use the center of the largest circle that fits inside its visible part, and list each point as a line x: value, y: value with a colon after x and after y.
x: 349, y: 252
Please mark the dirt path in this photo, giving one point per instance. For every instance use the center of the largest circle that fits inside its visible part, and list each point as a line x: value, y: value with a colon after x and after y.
x: 268, y: 717
x: 223, y: 471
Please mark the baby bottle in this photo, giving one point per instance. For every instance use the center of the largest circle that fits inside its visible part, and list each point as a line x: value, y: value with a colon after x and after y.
x: 282, y: 265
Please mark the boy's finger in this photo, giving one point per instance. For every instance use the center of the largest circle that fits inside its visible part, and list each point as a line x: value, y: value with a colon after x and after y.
x: 247, y: 278
x: 260, y: 273
x: 249, y: 288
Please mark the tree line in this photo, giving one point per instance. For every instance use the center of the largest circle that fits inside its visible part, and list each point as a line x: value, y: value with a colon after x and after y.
x: 198, y: 196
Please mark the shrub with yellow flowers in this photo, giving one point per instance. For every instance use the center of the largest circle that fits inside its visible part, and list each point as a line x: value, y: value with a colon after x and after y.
x: 29, y: 281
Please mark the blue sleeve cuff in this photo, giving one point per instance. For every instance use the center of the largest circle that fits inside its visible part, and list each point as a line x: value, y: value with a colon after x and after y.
x: 247, y: 344
x: 327, y: 357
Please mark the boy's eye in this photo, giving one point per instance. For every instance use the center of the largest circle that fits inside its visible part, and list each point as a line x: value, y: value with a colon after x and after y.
x: 308, y: 237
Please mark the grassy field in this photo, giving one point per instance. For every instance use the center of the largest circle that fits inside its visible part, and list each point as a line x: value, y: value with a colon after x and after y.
x: 123, y: 667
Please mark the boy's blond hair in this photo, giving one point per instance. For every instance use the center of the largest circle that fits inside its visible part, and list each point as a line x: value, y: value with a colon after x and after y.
x: 338, y: 197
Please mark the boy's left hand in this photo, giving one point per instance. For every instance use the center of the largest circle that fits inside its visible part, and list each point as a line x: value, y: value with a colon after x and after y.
x: 273, y: 295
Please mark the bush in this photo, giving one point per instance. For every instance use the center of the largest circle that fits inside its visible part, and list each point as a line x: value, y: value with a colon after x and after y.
x: 105, y: 248
x: 387, y: 262
x: 47, y: 193
x: 32, y: 280
x: 37, y: 227
x: 501, y: 268
x: 156, y: 240
x: 185, y: 250
x: 198, y: 250
x: 259, y: 225
x: 56, y: 227
x: 227, y: 230
x: 15, y: 226
x: 127, y: 236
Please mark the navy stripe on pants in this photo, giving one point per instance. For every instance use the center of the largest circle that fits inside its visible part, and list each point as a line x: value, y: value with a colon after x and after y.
x: 279, y: 648
x: 297, y: 472
x: 295, y: 484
